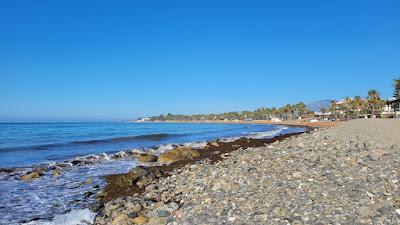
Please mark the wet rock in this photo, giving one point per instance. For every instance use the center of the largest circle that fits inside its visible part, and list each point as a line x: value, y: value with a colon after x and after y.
x: 32, y: 175
x: 5, y: 170
x: 96, y: 206
x: 145, y: 158
x: 213, y: 144
x: 89, y: 181
x: 119, y: 155
x: 56, y: 173
x: 177, y: 154
x: 88, y: 194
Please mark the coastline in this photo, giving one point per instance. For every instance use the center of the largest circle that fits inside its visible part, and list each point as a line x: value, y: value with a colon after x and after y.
x: 134, y: 184
x: 321, y: 176
x: 84, y: 188
x: 293, y: 123
x: 213, y: 152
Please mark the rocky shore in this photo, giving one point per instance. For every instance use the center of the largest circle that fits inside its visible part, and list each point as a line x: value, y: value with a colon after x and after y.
x: 348, y: 174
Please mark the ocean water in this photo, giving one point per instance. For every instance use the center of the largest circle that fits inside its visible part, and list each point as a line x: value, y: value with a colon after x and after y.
x: 103, y: 147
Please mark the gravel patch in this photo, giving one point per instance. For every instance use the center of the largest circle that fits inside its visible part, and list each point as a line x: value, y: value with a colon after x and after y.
x: 349, y: 174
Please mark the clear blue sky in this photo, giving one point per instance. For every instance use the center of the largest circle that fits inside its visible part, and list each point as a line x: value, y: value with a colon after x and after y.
x: 112, y: 60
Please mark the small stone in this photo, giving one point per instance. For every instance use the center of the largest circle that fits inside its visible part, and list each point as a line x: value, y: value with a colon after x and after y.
x: 172, y: 206
x: 296, y: 174
x: 300, y: 145
x: 280, y: 212
x: 231, y: 219
x: 88, y: 194
x: 132, y: 215
x: 119, y: 218
x: 397, y: 211
x: 140, y: 220
x: 163, y: 213
x: 365, y: 211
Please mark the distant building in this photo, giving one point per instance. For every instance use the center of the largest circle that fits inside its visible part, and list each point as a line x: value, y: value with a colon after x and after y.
x: 145, y: 119
x: 275, y: 119
x: 392, y: 108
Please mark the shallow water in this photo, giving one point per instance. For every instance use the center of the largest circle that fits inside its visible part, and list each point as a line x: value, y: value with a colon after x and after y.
x: 23, y: 146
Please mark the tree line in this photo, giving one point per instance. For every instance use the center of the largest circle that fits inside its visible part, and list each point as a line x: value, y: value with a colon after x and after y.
x: 345, y: 109
x: 286, y: 112
x: 357, y: 106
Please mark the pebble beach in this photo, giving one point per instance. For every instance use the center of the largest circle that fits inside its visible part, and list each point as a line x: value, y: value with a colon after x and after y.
x: 348, y: 174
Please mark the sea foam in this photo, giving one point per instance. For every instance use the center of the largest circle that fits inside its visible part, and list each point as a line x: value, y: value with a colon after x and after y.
x: 74, y: 217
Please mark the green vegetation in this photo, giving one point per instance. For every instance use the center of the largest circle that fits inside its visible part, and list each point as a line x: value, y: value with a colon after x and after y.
x: 396, y: 84
x: 348, y: 108
x: 286, y: 112
x: 355, y: 107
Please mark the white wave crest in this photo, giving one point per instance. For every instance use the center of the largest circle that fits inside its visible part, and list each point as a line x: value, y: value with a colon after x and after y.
x: 74, y: 217
x: 258, y: 135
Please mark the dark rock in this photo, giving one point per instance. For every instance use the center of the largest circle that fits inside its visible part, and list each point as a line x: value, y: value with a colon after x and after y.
x: 96, y: 206
x: 132, y: 215
x: 163, y: 213
x: 88, y: 194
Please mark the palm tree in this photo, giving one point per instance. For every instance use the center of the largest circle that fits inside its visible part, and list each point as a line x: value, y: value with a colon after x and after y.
x: 302, y: 109
x: 347, y: 106
x: 357, y: 104
x: 374, y: 100
x: 323, y: 111
x: 332, y: 108
x: 396, y: 84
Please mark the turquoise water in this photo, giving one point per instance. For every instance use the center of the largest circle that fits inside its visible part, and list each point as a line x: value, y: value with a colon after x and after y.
x: 61, y: 200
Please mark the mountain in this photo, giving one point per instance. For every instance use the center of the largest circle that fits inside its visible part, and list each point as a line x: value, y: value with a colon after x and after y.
x: 317, y: 105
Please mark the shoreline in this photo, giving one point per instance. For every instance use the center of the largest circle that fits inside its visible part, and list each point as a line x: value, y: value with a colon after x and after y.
x: 346, y: 174
x: 293, y: 123
x: 57, y: 170
x: 136, y: 182
x: 214, y: 152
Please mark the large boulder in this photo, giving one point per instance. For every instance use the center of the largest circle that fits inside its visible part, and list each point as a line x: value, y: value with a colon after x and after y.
x: 177, y: 154
x: 145, y: 158
x: 32, y: 175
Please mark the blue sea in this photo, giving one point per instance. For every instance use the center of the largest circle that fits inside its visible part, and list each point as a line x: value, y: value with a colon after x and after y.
x: 61, y: 200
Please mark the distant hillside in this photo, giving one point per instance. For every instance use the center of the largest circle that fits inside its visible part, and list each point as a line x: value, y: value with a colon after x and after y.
x: 317, y: 105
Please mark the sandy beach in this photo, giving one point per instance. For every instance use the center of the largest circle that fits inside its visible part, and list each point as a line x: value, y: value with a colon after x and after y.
x: 347, y: 174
